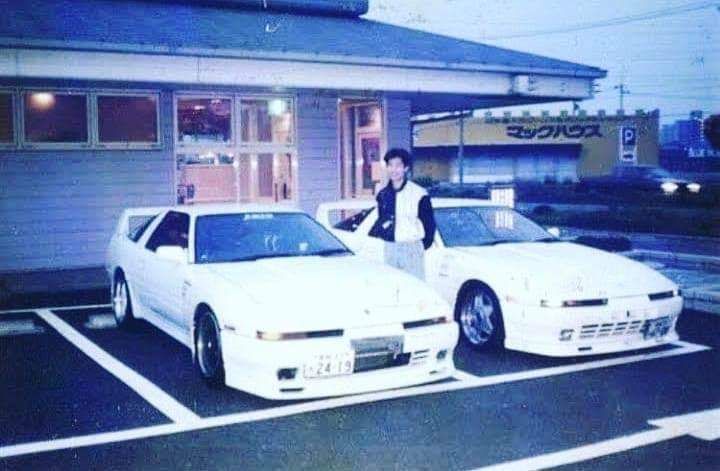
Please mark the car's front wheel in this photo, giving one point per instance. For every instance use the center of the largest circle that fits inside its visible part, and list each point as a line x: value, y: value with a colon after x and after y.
x: 122, y: 306
x: 478, y: 313
x: 208, y: 351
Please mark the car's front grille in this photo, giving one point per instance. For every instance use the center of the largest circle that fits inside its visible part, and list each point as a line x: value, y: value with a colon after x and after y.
x: 610, y: 329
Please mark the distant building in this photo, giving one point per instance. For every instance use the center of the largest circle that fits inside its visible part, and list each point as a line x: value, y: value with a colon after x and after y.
x: 541, y: 148
x: 683, y: 146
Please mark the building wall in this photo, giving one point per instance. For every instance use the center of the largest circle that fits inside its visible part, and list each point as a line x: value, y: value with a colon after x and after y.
x: 58, y: 208
x: 318, y: 167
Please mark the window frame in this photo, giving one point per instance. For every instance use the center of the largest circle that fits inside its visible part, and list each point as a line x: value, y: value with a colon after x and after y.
x: 24, y: 143
x: 126, y: 144
x: 13, y: 92
x: 198, y: 147
x: 235, y: 146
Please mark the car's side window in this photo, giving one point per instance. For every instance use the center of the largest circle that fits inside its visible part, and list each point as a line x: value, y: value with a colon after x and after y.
x: 367, y: 223
x: 353, y: 222
x: 172, y: 230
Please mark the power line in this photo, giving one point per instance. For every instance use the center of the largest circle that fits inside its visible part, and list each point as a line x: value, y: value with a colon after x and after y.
x: 612, y: 21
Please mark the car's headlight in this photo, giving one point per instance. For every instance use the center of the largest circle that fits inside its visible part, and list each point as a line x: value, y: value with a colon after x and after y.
x: 573, y: 302
x: 298, y: 335
x: 669, y: 187
x: 693, y: 187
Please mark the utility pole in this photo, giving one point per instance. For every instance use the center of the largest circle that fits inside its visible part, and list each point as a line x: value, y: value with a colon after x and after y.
x: 461, y: 149
x: 622, y: 91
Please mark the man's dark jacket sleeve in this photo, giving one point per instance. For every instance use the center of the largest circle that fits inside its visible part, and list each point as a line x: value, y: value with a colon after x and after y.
x: 425, y: 213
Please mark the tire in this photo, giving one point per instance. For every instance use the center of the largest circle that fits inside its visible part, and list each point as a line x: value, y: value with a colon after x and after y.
x: 208, y: 350
x: 480, y: 319
x: 122, y: 304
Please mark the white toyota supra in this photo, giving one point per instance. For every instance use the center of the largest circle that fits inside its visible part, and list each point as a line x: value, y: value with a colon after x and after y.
x: 271, y: 303
x: 514, y: 284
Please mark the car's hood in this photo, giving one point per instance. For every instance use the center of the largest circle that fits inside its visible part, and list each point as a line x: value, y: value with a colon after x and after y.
x: 572, y: 271
x: 315, y: 293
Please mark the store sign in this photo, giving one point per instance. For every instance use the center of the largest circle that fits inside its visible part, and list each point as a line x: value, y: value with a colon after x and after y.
x: 628, y: 144
x: 555, y: 131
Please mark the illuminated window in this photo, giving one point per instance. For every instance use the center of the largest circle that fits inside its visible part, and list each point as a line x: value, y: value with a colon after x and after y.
x: 267, y: 120
x: 204, y: 120
x: 127, y: 119
x: 7, y: 129
x: 55, y: 118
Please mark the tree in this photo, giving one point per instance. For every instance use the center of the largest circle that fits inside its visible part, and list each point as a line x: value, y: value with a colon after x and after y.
x: 711, y: 129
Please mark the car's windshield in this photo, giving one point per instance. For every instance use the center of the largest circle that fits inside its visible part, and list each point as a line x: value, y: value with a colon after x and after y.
x: 252, y: 236
x: 486, y: 225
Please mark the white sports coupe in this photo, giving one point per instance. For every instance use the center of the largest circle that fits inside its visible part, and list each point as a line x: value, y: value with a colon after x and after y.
x: 514, y: 284
x: 271, y: 303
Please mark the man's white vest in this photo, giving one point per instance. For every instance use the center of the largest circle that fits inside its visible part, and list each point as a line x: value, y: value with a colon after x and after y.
x: 408, y: 227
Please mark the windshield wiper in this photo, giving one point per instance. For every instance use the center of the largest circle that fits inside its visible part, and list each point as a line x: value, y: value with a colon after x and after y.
x: 548, y: 239
x: 328, y: 252
x: 501, y: 241
x: 258, y: 257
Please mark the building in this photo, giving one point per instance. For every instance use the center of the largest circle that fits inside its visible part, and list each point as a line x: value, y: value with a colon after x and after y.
x: 108, y: 104
x: 541, y: 148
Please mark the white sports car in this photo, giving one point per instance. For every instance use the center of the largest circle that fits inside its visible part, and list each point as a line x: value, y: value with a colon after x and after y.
x: 271, y: 303
x: 514, y: 284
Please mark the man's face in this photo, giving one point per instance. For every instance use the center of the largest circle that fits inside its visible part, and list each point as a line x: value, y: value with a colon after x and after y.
x: 396, y: 169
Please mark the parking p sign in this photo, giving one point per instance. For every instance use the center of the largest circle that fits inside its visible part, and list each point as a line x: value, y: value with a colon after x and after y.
x: 629, y: 136
x: 628, y: 144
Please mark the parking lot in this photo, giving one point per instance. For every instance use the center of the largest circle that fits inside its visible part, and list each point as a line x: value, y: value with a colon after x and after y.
x: 78, y: 392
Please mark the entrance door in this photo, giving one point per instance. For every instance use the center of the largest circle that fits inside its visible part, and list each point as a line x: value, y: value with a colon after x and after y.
x: 361, y: 150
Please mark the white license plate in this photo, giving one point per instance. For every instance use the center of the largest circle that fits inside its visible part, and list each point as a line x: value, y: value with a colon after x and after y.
x: 330, y: 365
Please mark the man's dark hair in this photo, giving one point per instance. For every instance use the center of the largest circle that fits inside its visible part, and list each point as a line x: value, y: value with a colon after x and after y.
x: 398, y: 153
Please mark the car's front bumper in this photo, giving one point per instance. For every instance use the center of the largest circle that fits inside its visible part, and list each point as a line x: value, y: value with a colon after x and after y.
x: 615, y: 327
x: 252, y: 365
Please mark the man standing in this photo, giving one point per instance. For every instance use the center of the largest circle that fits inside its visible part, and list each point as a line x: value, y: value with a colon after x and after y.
x: 405, y: 217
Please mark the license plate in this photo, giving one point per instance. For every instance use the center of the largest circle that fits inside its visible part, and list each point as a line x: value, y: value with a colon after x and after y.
x: 656, y: 328
x: 330, y: 365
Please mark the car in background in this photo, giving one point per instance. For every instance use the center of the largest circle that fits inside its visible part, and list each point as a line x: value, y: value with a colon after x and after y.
x: 644, y: 178
x: 270, y: 302
x: 515, y: 285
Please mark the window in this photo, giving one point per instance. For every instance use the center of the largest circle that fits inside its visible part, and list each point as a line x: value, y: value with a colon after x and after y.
x: 172, y: 230
x: 267, y: 121
x: 7, y: 128
x: 55, y: 118
x: 350, y: 224
x: 127, y: 119
x: 204, y: 120
x: 138, y: 226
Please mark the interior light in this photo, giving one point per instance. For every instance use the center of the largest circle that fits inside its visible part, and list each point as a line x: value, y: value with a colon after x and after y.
x: 277, y: 107
x: 42, y: 100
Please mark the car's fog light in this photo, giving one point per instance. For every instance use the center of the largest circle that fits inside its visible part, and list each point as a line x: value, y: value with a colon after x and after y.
x: 566, y: 334
x: 284, y: 374
x: 441, y: 355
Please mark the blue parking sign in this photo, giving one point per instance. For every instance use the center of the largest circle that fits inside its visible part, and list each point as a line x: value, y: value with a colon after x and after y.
x: 629, y: 136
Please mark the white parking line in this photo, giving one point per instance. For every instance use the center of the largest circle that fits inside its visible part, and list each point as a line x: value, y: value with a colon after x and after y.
x: 58, y: 308
x: 147, y: 390
x: 326, y: 404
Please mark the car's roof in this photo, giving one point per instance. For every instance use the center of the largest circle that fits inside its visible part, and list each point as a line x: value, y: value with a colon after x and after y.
x: 454, y: 202
x: 230, y: 208
x: 361, y: 203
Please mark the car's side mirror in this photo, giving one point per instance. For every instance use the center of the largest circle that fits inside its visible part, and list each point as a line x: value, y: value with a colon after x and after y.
x: 554, y: 231
x: 173, y: 253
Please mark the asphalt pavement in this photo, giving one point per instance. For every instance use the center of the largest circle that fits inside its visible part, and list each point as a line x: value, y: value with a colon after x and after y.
x: 581, y: 413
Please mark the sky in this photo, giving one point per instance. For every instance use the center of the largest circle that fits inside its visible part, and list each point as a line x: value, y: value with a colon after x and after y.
x: 665, y: 52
